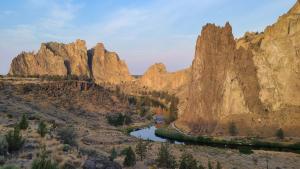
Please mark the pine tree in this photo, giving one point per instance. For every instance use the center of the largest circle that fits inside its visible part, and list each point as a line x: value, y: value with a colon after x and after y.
x: 232, y: 129
x: 280, y: 134
x: 129, y: 160
x: 23, y: 125
x: 113, y: 154
x: 219, y: 165
x: 141, y: 149
x: 42, y: 129
x: 188, y: 162
x: 14, y: 139
x: 165, y: 158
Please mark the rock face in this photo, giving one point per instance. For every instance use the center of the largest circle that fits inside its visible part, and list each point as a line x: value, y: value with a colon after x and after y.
x: 253, y: 82
x: 72, y: 59
x: 53, y: 59
x: 106, y: 66
x: 158, y: 78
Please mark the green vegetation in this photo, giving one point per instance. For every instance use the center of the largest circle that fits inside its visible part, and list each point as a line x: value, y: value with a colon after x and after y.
x: 130, y: 159
x: 44, y: 162
x: 66, y: 147
x: 9, y: 167
x: 113, y: 154
x: 141, y: 149
x: 58, y: 77
x: 218, y: 165
x: 188, y: 162
x: 68, y: 135
x: 209, y: 165
x: 165, y: 159
x: 232, y: 129
x: 201, y: 140
x: 118, y: 119
x: 42, y: 129
x: 3, y: 146
x: 23, y: 125
x: 280, y: 134
x: 14, y: 140
x: 245, y: 150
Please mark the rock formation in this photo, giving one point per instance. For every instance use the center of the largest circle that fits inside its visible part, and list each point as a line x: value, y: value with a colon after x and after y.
x: 53, y: 59
x: 72, y: 59
x: 253, y: 82
x: 106, y: 66
x: 158, y: 78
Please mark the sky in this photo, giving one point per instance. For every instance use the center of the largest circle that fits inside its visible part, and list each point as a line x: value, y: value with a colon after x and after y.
x: 142, y: 32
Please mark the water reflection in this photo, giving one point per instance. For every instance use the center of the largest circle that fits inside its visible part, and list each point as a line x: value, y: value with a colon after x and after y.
x: 149, y: 134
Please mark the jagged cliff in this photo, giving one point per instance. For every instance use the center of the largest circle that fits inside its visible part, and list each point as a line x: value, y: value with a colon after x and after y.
x: 72, y: 59
x: 106, y: 66
x: 53, y: 59
x: 158, y: 78
x: 253, y: 82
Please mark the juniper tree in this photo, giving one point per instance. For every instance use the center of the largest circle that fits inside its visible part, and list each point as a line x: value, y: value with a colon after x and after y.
x: 141, y: 149
x: 130, y: 159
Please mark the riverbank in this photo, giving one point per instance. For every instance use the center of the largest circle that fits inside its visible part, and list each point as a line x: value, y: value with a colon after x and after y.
x: 251, y: 143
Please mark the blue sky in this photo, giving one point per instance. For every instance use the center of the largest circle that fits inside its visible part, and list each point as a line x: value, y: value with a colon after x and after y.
x: 142, y: 32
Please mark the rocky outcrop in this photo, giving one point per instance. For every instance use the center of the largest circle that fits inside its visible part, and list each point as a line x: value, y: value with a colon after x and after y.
x: 53, y: 59
x: 71, y: 59
x: 106, y: 66
x: 253, y: 82
x: 158, y: 78
x: 100, y: 162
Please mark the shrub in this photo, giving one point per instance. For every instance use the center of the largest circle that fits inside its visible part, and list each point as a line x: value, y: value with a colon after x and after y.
x: 23, y: 123
x: 118, y: 119
x: 280, y: 134
x: 188, y: 162
x: 3, y: 146
x: 113, y: 154
x: 218, y: 165
x: 42, y: 129
x: 141, y: 149
x: 68, y: 135
x: 245, y: 150
x: 2, y: 160
x: 14, y: 140
x: 44, y: 162
x: 165, y: 159
x: 66, y: 147
x: 10, y: 116
x: 233, y: 129
x: 9, y: 167
x: 129, y: 160
x: 209, y: 165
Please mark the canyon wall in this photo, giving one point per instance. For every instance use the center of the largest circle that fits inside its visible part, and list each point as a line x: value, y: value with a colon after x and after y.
x: 254, y: 82
x: 72, y: 59
x: 158, y: 78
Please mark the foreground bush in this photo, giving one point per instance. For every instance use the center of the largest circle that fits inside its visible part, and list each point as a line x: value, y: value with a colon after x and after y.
x: 165, y: 159
x: 44, y: 162
x: 68, y: 135
x: 9, y: 167
x: 130, y: 159
x: 14, y: 140
x: 141, y: 149
x: 3, y: 146
x: 188, y: 162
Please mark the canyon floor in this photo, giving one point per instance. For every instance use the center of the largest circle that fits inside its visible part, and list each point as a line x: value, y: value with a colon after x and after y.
x: 86, y: 107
